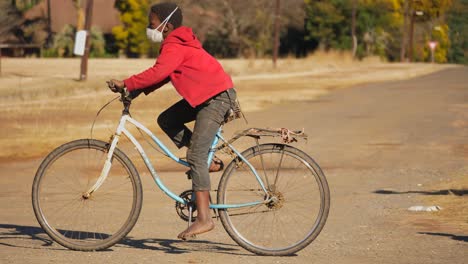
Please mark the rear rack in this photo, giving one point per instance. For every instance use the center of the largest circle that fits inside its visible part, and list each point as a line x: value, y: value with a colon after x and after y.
x: 286, y: 135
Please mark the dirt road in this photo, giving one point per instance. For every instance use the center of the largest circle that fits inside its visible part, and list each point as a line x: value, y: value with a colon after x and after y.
x: 383, y: 148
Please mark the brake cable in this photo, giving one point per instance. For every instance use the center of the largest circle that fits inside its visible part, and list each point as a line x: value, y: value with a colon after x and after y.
x: 139, y: 130
x: 99, y: 112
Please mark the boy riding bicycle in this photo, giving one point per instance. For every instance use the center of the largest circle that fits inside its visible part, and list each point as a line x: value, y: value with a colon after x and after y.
x: 208, y: 96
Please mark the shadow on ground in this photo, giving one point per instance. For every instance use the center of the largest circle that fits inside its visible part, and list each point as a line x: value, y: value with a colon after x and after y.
x: 11, y: 233
x: 456, y: 192
x: 454, y: 237
x: 15, y: 235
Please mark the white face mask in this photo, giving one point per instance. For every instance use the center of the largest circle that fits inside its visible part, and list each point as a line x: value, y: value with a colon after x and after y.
x: 156, y: 36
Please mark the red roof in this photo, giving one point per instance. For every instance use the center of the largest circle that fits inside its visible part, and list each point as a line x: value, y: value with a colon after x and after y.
x: 105, y: 16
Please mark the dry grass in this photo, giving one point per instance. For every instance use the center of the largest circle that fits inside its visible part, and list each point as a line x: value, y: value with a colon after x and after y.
x: 452, y: 219
x: 43, y: 105
x: 454, y: 203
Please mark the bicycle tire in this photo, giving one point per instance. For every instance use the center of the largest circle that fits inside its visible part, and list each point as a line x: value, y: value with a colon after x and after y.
x: 53, y: 201
x: 238, y: 229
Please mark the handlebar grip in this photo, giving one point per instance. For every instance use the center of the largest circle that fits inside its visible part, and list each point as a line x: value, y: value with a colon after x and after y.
x: 114, y: 88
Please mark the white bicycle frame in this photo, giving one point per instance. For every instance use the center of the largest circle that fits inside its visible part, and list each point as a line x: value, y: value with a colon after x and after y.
x: 122, y: 130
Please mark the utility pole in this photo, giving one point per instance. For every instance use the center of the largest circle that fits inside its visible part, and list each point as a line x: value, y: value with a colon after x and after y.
x: 414, y: 11
x: 353, y: 27
x: 0, y: 61
x: 404, y: 40
x: 277, y: 29
x: 84, y: 59
x: 49, y: 25
x: 411, y: 36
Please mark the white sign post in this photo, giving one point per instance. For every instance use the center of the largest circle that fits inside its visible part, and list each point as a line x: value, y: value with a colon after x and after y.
x: 80, y: 43
x: 432, y: 45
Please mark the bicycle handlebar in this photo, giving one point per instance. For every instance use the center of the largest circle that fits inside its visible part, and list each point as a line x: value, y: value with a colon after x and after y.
x: 124, y: 96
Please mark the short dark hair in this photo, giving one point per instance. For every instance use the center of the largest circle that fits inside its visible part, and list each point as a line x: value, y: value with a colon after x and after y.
x: 163, y: 10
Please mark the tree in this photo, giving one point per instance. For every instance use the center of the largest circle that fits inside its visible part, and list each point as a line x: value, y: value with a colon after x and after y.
x: 440, y: 35
x: 378, y: 26
x: 234, y: 28
x: 457, y: 19
x: 80, y: 21
x: 428, y: 17
x: 130, y: 36
x: 227, y: 28
x: 326, y: 23
x: 98, y: 43
x: 246, y: 27
x: 433, y: 8
x: 24, y: 4
x: 35, y: 32
x: 353, y: 26
x: 64, y: 41
x: 10, y: 18
x: 372, y: 23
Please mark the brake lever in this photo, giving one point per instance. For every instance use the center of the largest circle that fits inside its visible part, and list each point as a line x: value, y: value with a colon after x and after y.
x: 114, y: 88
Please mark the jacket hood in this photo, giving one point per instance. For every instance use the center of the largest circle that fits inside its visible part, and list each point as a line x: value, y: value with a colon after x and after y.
x: 183, y: 36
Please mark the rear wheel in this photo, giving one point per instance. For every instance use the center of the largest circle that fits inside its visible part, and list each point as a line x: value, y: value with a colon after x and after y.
x: 297, y: 211
x: 71, y: 218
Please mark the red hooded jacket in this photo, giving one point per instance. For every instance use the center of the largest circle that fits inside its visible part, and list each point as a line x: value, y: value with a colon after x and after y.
x: 195, y: 74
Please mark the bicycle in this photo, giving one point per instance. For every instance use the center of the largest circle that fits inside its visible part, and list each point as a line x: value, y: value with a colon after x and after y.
x: 272, y: 199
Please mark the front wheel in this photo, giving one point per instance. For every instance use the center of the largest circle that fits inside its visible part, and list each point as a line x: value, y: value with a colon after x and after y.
x: 86, y: 222
x: 297, y: 210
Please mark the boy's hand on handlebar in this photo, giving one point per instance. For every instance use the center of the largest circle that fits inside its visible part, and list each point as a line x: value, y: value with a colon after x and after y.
x: 116, y: 86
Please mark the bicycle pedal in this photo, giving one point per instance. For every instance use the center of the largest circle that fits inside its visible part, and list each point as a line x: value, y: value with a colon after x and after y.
x: 189, y: 177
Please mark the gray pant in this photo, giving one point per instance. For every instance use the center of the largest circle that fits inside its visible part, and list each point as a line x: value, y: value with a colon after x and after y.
x: 208, y: 117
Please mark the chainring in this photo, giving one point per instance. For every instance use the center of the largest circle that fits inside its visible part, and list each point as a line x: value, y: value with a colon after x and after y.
x: 183, y: 209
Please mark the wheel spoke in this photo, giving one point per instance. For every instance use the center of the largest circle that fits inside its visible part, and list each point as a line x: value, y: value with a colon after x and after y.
x: 287, y: 223
x: 86, y: 223
x: 278, y: 169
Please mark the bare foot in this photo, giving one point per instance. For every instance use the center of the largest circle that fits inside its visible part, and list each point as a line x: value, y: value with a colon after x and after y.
x: 198, y: 227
